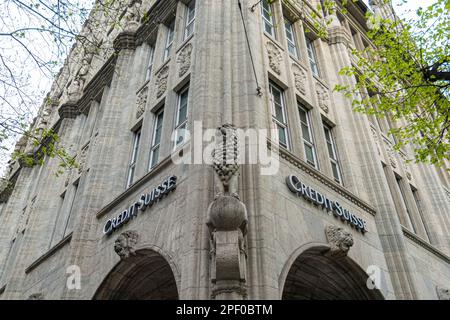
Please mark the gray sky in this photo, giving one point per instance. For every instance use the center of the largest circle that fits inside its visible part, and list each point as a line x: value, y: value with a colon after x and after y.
x: 42, y: 83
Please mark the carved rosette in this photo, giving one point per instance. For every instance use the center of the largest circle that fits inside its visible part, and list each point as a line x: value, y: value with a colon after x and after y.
x: 227, y: 222
x: 323, y: 97
x: 184, y: 60
x: 161, y: 81
x: 125, y: 244
x: 340, y: 241
x: 443, y: 294
x: 141, y: 102
x: 275, y: 57
x: 300, y: 78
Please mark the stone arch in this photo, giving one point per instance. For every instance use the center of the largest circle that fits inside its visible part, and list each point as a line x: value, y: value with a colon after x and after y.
x: 146, y: 275
x: 311, y: 273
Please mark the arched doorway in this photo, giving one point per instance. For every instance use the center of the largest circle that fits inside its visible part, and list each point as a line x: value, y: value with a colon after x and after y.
x: 143, y: 276
x: 315, y: 275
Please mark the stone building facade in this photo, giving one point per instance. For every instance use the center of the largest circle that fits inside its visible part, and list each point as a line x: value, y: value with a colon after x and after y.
x: 343, y: 217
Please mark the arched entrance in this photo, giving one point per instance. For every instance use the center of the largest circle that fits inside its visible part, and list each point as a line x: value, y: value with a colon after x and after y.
x: 143, y: 276
x: 314, y: 275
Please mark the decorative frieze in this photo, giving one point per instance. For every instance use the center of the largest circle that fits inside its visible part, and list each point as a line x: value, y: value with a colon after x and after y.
x: 184, y: 60
x: 141, y: 101
x: 275, y: 57
x: 161, y: 81
x: 323, y: 97
x: 299, y: 78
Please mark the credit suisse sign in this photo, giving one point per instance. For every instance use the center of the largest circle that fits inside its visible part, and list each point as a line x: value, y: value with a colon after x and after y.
x: 315, y: 197
x: 140, y: 205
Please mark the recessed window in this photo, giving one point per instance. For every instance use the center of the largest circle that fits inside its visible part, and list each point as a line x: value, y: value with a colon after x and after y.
x: 134, y: 154
x: 267, y: 15
x: 151, y: 57
x: 279, y: 114
x: 169, y: 40
x: 189, y: 19
x: 156, y: 143
x: 332, y: 153
x: 312, y: 57
x: 290, y: 37
x: 307, y: 136
x: 182, y: 116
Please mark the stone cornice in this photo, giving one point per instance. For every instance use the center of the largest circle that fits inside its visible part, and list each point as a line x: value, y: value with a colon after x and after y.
x: 422, y: 243
x: 49, y: 253
x: 320, y: 177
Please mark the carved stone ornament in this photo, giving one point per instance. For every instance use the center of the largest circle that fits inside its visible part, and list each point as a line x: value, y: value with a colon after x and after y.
x: 141, y: 102
x: 339, y: 240
x: 443, y: 294
x: 375, y: 137
x: 225, y: 160
x: 133, y: 15
x: 300, y: 78
x: 184, y: 60
x: 82, y: 159
x: 275, y: 57
x: 391, y: 153
x: 36, y: 296
x: 323, y: 97
x: 161, y: 81
x: 125, y: 244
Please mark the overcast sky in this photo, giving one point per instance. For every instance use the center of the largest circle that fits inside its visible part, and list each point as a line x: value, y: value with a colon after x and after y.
x: 405, y: 9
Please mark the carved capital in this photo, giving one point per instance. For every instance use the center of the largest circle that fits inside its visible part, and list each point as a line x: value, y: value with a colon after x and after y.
x: 68, y: 110
x: 340, y: 241
x: 125, y: 244
x: 125, y: 40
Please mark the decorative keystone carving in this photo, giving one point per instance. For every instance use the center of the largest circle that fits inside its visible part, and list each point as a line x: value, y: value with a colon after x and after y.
x: 300, y: 78
x: 340, y: 240
x: 141, y: 102
x: 275, y: 57
x: 161, y: 81
x: 36, y: 296
x: 125, y: 244
x: 225, y: 160
x: 443, y: 294
x: 323, y: 97
x: 184, y: 60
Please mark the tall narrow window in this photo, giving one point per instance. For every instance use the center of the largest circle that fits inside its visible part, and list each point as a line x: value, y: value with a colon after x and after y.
x: 420, y: 211
x: 266, y: 12
x: 68, y: 226
x: 154, y: 153
x: 134, y: 154
x: 169, y: 40
x: 331, y: 145
x: 182, y: 116
x: 189, y: 19
x: 279, y: 114
x: 290, y: 36
x: 409, y: 222
x: 312, y: 57
x: 151, y: 57
x: 308, y: 141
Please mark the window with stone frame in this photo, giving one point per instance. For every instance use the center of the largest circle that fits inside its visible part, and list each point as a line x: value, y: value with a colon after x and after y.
x: 307, y: 136
x: 291, y: 38
x: 312, y: 56
x: 268, y: 17
x: 134, y: 155
x: 332, y: 153
x: 189, y: 19
x: 169, y: 40
x: 150, y: 61
x: 156, y: 139
x: 182, y: 117
x: 279, y: 116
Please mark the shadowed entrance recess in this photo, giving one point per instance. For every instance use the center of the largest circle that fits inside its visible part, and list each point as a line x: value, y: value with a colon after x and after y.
x: 316, y: 276
x: 144, y: 276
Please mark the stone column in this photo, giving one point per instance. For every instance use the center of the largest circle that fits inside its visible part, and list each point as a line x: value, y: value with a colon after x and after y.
x: 227, y: 223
